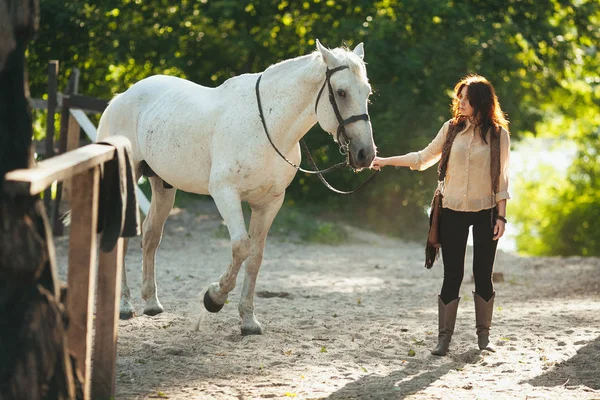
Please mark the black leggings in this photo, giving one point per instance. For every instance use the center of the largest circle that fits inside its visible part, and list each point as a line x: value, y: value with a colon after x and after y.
x: 454, y: 232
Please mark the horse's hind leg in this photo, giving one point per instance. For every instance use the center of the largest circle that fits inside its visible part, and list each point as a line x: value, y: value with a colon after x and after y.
x: 152, y: 229
x: 260, y: 223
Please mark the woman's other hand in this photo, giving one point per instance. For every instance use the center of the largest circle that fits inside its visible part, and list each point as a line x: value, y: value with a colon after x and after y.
x: 499, y: 229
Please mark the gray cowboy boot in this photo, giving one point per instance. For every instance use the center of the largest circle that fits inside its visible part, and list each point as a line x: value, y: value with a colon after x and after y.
x: 447, y: 318
x: 483, y: 320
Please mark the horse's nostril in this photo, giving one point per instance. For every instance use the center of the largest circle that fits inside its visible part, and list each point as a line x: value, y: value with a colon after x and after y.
x: 361, y: 155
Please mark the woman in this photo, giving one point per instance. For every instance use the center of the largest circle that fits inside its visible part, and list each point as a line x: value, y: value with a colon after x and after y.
x: 475, y: 191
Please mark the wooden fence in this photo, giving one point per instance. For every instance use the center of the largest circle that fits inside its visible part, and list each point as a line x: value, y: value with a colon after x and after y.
x: 83, y: 167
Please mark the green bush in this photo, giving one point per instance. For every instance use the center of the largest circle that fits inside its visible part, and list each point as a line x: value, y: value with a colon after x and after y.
x: 296, y: 224
x: 560, y: 215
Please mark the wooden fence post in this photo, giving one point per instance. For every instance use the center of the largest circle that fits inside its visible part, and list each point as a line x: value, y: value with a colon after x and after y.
x: 52, y: 101
x: 82, y: 271
x: 72, y: 130
x: 69, y: 140
x: 110, y: 267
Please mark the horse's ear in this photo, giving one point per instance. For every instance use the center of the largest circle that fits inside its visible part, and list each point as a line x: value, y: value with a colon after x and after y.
x: 329, y: 58
x: 359, y: 50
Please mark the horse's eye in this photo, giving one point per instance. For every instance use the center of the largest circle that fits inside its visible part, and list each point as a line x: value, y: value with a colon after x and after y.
x: 341, y: 93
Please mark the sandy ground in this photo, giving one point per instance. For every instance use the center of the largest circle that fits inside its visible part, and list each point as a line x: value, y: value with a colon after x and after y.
x: 355, y: 321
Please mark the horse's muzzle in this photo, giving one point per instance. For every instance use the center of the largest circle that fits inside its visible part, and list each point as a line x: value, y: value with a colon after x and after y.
x: 361, y: 157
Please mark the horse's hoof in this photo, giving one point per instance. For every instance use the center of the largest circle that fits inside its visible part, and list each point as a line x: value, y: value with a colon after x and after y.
x: 251, y: 326
x: 210, y: 305
x: 152, y: 311
x: 126, y: 314
x: 251, y: 331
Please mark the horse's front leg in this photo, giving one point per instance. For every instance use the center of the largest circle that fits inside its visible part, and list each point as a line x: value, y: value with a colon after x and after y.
x: 260, y: 223
x: 229, y: 204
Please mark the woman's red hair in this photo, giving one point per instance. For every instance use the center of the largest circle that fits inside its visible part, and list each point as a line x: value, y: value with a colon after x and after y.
x: 483, y: 99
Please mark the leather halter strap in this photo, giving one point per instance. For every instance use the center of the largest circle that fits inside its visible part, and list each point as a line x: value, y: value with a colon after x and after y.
x: 341, y: 121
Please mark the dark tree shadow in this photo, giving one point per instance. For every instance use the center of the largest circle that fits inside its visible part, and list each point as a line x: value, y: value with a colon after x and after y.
x: 413, y: 377
x: 581, y: 369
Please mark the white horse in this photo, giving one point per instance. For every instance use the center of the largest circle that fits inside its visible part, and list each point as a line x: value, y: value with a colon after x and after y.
x: 212, y: 141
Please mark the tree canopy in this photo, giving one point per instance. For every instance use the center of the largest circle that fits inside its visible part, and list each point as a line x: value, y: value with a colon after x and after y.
x: 541, y: 56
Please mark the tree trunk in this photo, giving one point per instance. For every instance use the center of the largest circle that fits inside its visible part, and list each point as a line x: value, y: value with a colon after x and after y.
x: 34, y: 359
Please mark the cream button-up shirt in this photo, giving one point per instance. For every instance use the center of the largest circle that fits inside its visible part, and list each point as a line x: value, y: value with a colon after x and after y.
x: 468, y: 183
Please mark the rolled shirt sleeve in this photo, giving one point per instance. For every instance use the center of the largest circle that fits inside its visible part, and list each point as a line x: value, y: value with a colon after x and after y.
x: 504, y: 166
x: 421, y: 160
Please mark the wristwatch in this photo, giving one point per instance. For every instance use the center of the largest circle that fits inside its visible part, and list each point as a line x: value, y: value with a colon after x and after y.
x: 501, y: 218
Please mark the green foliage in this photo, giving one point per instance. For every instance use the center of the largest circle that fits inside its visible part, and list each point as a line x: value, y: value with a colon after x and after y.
x: 560, y: 214
x: 535, y: 214
x: 297, y: 225
x: 541, y: 56
x: 560, y: 211
x: 293, y: 223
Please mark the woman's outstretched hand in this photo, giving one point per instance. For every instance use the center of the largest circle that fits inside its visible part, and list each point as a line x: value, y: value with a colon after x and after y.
x: 378, y: 163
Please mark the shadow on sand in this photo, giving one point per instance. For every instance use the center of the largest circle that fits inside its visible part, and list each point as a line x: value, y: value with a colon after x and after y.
x: 415, y: 376
x: 582, y: 369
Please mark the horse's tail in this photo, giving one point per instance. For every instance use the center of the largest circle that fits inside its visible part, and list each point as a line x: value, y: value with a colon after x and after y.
x: 104, y: 124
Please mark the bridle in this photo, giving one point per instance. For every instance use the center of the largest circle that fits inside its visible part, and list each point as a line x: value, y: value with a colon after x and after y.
x: 341, y: 130
x: 340, y: 133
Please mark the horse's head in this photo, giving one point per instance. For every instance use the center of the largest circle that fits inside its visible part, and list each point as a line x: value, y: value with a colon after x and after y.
x: 343, y: 109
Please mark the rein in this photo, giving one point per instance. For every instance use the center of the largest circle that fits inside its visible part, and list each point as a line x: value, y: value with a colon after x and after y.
x: 262, y: 118
x: 341, y: 131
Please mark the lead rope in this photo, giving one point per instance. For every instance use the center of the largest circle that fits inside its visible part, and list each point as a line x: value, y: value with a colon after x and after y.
x: 327, y: 184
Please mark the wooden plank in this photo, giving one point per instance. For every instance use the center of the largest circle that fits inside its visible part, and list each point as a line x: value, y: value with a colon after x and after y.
x: 57, y: 225
x: 52, y: 86
x: 110, y: 267
x: 65, y: 120
x: 64, y: 126
x: 41, y: 104
x: 86, y: 102
x: 84, y: 122
x: 73, y: 131
x: 73, y: 84
x: 82, y: 271
x: 39, y: 147
x: 32, y: 181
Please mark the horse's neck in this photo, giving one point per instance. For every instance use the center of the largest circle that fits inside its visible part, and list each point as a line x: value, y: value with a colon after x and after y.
x: 288, y: 94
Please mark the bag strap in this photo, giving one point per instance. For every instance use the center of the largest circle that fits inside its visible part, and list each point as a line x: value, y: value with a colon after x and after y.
x: 495, y: 159
x: 453, y: 130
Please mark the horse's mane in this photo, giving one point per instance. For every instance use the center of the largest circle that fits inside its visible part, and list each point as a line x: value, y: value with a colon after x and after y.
x: 315, y: 69
x: 354, y: 62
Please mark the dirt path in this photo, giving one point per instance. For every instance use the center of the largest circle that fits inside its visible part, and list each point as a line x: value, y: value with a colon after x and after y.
x: 355, y: 321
